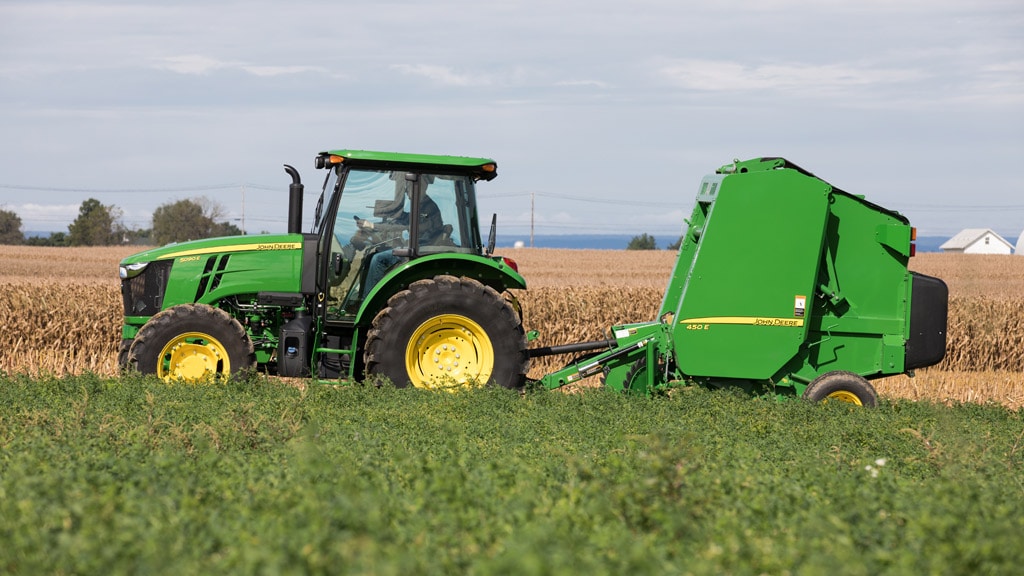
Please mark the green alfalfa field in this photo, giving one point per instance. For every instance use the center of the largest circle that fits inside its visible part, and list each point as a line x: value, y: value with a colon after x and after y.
x: 107, y: 475
x: 132, y: 475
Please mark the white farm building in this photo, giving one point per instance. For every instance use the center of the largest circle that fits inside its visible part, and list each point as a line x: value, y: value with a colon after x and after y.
x: 977, y: 241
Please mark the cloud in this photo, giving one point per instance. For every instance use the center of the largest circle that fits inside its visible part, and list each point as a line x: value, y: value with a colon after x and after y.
x: 282, y: 70
x: 192, y: 64
x: 731, y: 76
x: 443, y: 75
x: 57, y: 217
x: 1001, y: 82
x: 46, y: 216
x: 584, y: 83
x: 514, y: 77
x: 198, y: 65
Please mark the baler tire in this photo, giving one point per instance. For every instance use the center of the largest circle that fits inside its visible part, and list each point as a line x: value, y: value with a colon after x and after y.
x: 842, y: 386
x: 447, y: 332
x: 192, y: 342
x: 636, y: 372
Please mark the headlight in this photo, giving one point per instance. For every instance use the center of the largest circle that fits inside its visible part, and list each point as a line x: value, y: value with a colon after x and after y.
x: 131, y: 270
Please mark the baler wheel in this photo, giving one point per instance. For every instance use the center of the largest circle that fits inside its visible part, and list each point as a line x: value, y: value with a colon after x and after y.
x: 635, y: 380
x: 191, y: 342
x: 842, y: 386
x: 447, y: 332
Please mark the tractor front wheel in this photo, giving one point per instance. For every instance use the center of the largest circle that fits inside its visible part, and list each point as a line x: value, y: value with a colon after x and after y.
x: 842, y: 386
x: 447, y: 332
x: 191, y: 342
x: 122, y: 354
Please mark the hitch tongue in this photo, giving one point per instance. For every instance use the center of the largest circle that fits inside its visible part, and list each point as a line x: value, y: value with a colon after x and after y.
x: 595, y: 366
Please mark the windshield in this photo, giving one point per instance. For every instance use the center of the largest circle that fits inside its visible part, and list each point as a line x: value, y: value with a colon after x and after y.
x: 386, y: 217
x: 376, y: 204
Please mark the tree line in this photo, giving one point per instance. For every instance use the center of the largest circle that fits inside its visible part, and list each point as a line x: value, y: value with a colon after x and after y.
x: 98, y: 224
x: 647, y: 242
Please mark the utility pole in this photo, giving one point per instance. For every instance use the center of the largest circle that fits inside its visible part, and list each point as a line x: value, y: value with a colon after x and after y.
x: 531, y: 218
x: 243, y: 209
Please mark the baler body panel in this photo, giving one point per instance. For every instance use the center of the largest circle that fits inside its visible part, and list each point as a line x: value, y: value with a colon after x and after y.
x: 860, y: 318
x: 755, y: 260
x: 782, y: 277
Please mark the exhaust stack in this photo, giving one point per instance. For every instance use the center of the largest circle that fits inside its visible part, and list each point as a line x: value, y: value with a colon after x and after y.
x: 294, y: 201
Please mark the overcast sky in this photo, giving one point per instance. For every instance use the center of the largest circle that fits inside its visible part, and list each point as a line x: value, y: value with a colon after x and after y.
x: 608, y: 113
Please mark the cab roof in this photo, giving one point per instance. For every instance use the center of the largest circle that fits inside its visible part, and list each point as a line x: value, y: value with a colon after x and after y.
x: 483, y: 168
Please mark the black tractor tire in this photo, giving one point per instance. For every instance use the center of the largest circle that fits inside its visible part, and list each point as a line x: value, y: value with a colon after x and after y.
x: 447, y: 332
x: 122, y: 354
x: 192, y: 342
x: 842, y: 386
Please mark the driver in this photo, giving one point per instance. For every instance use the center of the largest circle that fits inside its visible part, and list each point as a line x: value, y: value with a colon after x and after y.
x: 431, y: 227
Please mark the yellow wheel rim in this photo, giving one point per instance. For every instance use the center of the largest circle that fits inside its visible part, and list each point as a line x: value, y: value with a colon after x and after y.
x: 449, y: 351
x: 193, y: 356
x: 844, y: 396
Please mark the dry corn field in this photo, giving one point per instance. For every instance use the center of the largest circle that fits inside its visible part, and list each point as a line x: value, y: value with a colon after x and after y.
x: 60, y: 310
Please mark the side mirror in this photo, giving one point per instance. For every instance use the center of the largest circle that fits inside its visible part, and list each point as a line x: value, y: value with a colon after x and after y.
x: 494, y: 234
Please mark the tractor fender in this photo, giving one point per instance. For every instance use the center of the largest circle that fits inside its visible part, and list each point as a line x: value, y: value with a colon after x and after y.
x: 490, y: 271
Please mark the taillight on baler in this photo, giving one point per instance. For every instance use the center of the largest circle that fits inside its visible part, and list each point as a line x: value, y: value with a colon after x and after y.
x: 913, y: 237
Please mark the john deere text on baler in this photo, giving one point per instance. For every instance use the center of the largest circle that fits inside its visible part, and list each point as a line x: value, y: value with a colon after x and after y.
x: 784, y: 284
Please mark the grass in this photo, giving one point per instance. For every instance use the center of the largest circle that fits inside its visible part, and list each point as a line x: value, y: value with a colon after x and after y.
x: 134, y: 475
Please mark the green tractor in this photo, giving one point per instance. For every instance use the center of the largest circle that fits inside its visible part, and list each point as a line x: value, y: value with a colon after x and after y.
x: 393, y: 281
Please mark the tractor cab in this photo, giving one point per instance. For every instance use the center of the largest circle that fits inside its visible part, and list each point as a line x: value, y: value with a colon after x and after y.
x: 405, y: 287
x: 386, y: 211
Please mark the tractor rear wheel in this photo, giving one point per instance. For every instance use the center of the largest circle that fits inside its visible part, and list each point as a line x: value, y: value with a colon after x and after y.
x: 842, y: 386
x: 447, y: 332
x: 191, y: 342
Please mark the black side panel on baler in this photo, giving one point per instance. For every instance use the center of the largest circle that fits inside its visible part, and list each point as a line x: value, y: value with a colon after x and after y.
x: 928, y: 314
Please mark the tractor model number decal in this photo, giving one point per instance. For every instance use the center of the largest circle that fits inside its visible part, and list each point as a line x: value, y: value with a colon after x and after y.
x: 188, y: 259
x: 705, y: 323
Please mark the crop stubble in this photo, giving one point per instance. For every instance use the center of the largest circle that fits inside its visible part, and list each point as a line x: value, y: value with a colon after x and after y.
x: 61, y: 311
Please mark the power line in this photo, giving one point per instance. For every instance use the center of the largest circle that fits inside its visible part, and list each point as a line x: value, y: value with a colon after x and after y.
x: 584, y: 199
x: 952, y: 208
x: 197, y: 188
x: 481, y: 195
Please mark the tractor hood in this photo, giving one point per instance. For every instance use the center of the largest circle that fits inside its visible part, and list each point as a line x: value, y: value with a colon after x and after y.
x: 210, y: 270
x: 221, y: 245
